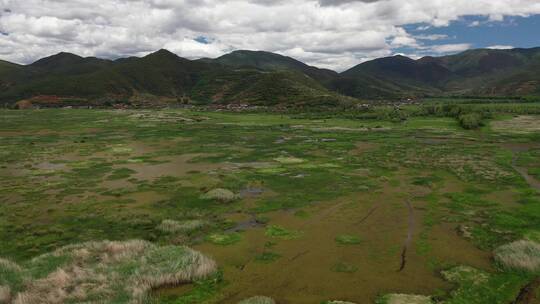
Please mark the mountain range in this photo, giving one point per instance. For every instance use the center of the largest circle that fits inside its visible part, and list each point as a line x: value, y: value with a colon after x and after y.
x: 263, y: 78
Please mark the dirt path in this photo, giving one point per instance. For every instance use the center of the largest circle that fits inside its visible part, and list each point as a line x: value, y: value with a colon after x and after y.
x: 410, y: 232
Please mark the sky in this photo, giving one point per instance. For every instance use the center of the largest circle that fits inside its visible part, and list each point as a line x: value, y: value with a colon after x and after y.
x: 334, y: 34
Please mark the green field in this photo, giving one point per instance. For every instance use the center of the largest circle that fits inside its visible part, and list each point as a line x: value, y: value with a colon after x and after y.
x: 409, y: 207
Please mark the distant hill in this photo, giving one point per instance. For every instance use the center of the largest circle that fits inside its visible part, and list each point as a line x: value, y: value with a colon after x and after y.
x: 264, y: 78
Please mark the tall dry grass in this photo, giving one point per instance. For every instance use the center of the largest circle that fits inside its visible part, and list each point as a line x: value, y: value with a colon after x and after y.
x: 219, y: 194
x: 171, y: 226
x: 5, y: 294
x: 521, y: 255
x: 258, y: 300
x: 105, y: 272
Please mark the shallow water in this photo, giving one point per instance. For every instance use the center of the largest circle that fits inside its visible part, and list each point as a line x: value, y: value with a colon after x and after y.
x: 306, y: 270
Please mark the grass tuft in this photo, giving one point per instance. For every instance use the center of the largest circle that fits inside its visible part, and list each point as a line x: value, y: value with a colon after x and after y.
x: 289, y: 160
x: 397, y: 298
x: 344, y: 267
x: 258, y: 300
x: 5, y: 294
x: 267, y: 257
x: 221, y: 195
x: 347, y: 239
x: 282, y: 233
x: 224, y: 239
x: 171, y: 226
x: 465, y: 274
x: 106, y: 272
x: 520, y: 255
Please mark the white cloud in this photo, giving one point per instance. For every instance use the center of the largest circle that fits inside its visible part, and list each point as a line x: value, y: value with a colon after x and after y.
x: 329, y: 33
x: 450, y: 48
x: 500, y: 47
x: 432, y: 37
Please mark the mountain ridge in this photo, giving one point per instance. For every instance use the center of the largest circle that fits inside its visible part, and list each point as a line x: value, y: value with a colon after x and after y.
x: 259, y: 77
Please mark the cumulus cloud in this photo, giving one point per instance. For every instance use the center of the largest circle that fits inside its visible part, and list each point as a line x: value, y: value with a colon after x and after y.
x: 329, y: 33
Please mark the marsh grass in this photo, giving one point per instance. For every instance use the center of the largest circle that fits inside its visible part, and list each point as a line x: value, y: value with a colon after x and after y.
x: 103, y: 272
x: 44, y: 215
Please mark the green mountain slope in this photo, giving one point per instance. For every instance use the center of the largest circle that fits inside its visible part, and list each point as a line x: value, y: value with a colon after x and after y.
x: 474, y: 72
x: 157, y: 76
x: 264, y: 78
x: 7, y: 70
x: 271, y: 61
x: 263, y: 88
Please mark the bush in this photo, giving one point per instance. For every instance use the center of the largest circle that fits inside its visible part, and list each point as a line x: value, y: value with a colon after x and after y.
x: 470, y: 121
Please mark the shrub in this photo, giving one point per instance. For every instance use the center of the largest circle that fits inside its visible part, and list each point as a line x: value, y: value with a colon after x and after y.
x: 470, y: 121
x: 519, y: 255
x: 258, y: 300
x: 107, y: 272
